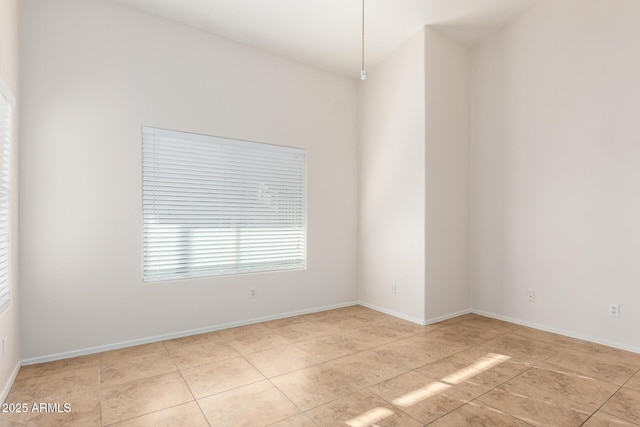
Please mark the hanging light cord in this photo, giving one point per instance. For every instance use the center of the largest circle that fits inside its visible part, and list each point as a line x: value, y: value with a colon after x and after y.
x: 363, y: 74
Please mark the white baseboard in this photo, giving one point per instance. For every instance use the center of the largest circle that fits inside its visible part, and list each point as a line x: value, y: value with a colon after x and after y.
x: 9, y: 384
x: 415, y: 319
x: 147, y: 340
x: 392, y: 313
x: 556, y: 331
x: 447, y: 316
x: 164, y: 337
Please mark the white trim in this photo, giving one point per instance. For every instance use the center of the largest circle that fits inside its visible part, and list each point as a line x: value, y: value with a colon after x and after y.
x: 164, y: 337
x: 7, y: 285
x: 219, y: 140
x: 216, y: 206
x: 447, y: 316
x: 4, y: 90
x: 557, y: 331
x: 124, y: 344
x: 9, y: 384
x: 392, y: 313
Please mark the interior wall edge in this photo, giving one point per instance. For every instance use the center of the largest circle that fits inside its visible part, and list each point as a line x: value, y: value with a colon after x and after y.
x: 393, y: 313
x: 446, y: 316
x: 7, y: 387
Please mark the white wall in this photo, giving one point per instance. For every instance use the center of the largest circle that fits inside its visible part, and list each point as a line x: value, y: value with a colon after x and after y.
x: 556, y: 169
x: 392, y: 182
x: 414, y: 180
x: 447, y: 79
x: 93, y: 73
x: 9, y: 319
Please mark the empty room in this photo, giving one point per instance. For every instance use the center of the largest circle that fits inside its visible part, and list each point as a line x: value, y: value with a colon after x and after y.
x: 319, y: 213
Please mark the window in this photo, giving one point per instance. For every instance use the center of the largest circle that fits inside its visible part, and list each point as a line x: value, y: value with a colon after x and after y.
x: 215, y: 206
x: 6, y: 108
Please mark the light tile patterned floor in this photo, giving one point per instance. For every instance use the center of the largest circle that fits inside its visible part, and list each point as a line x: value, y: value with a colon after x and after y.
x: 346, y: 367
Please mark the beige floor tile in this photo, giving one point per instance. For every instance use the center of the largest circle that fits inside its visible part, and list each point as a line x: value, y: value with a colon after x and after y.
x: 83, y: 410
x: 473, y: 378
x: 634, y: 382
x: 363, y: 313
x: 536, y: 406
x: 331, y: 347
x: 523, y: 348
x: 624, y: 404
x: 124, y: 370
x: 446, y: 341
x: 297, y: 421
x: 370, y: 367
x: 488, y: 324
x: 255, y: 405
x: 411, y: 354
x: 360, y: 409
x: 424, y: 399
x: 323, y: 361
x: 90, y: 361
x: 284, y: 322
x: 470, y: 332
x: 594, y: 366
x: 373, y: 336
x: 135, y: 351
x: 281, y: 360
x: 478, y: 415
x: 186, y: 415
x: 56, y: 386
x: 443, y: 345
x: 404, y: 328
x: 263, y: 341
x: 214, y: 337
x: 130, y: 400
x: 571, y: 385
x: 341, y: 324
x: 337, y: 321
x: 242, y: 332
x: 561, y: 342
x: 477, y: 352
x: 190, y: 356
x: 220, y: 376
x: 610, y: 353
x: 455, y: 333
x: 601, y: 419
x: 320, y: 315
x: 302, y: 331
x: 314, y: 386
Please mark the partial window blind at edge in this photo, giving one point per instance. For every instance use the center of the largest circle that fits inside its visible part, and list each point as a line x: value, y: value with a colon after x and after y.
x: 6, y: 107
x: 215, y: 206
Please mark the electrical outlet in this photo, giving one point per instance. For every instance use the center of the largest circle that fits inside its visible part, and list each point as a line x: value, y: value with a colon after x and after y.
x: 394, y: 288
x: 531, y: 296
x: 253, y: 293
x: 614, y: 310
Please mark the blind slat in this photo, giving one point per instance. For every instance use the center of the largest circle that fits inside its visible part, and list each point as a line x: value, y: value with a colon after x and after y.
x: 215, y: 206
x: 6, y: 111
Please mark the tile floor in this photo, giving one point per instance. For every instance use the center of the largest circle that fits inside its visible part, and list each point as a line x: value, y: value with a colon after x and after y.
x: 346, y: 367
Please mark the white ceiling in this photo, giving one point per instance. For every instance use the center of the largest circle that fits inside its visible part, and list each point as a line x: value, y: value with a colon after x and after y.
x: 326, y: 33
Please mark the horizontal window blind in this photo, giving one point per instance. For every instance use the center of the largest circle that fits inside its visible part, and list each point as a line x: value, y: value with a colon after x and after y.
x: 6, y: 109
x: 216, y: 206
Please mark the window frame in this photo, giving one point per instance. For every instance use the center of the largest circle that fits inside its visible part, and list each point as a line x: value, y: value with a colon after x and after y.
x: 6, y: 149
x: 295, y: 228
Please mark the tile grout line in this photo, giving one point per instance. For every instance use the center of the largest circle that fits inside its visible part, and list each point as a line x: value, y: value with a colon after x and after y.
x: 188, y: 387
x: 619, y: 359
x: 609, y: 398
